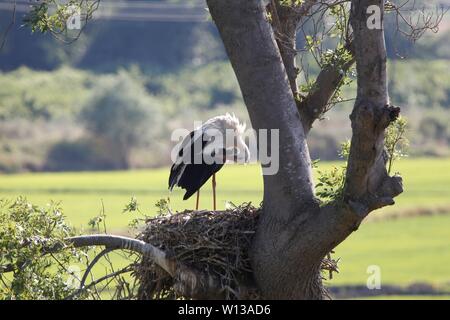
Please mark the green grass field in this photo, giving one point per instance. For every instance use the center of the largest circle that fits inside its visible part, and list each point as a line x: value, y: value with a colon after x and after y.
x: 409, y: 250
x: 406, y: 250
x: 427, y: 184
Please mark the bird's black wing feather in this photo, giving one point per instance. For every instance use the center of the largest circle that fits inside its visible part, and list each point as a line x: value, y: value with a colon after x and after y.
x: 195, y: 176
x: 191, y: 176
x: 178, y: 168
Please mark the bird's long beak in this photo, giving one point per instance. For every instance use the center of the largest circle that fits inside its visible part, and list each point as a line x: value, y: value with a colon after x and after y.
x: 239, y: 153
x: 246, y: 155
x: 243, y: 154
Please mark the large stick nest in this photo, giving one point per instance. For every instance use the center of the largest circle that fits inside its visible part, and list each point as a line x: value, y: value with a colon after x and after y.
x: 216, y: 243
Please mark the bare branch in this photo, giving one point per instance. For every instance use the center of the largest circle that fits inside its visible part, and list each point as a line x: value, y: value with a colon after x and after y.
x: 91, y: 265
x: 285, y: 22
x: 11, y: 24
x: 99, y: 280
x: 290, y: 19
x: 413, y: 21
x: 317, y: 102
x: 56, y: 22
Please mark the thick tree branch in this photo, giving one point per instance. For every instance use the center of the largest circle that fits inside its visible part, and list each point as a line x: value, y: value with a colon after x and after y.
x: 289, y: 205
x: 245, y: 29
x: 118, y: 242
x: 368, y: 185
x: 294, y: 233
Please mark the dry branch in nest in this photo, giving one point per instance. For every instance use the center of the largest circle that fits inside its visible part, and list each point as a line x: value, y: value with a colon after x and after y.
x: 215, y: 244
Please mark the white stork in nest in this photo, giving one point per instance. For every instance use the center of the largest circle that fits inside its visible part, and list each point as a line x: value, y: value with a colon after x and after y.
x: 204, y: 151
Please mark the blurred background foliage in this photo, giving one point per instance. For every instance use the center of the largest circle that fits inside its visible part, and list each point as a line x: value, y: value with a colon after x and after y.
x: 111, y: 99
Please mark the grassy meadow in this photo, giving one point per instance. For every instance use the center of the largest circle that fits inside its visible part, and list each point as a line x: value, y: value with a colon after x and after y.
x: 426, y: 184
x: 411, y: 249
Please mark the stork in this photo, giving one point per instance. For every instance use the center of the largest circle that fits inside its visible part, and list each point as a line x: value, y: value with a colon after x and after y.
x: 203, y: 153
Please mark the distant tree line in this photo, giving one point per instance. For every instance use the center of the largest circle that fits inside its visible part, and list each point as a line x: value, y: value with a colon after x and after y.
x: 159, y: 46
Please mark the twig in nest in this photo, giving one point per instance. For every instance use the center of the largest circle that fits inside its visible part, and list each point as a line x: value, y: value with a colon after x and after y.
x: 212, y: 243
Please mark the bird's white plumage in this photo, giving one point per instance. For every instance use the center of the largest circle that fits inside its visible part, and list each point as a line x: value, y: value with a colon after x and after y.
x: 220, y: 124
x: 224, y: 122
x: 235, y: 149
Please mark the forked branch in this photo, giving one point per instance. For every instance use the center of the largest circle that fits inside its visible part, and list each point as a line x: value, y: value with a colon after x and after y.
x: 285, y: 22
x: 188, y: 282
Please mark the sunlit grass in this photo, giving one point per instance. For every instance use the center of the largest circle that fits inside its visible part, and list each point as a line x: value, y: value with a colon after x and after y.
x: 407, y: 250
x: 427, y: 184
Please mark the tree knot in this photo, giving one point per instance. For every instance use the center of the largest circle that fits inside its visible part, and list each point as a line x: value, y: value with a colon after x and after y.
x: 394, y: 112
x: 390, y: 113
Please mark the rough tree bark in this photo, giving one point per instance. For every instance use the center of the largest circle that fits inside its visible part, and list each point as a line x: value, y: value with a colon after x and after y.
x: 294, y: 232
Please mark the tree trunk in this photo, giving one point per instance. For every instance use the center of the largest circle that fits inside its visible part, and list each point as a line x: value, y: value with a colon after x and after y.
x: 294, y: 232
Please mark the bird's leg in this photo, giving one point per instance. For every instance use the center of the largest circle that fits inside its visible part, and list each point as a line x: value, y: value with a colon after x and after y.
x: 198, y: 199
x: 214, y: 190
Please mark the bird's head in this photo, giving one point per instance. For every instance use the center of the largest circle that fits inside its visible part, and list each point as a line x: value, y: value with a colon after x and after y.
x: 235, y: 148
x: 241, y: 152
